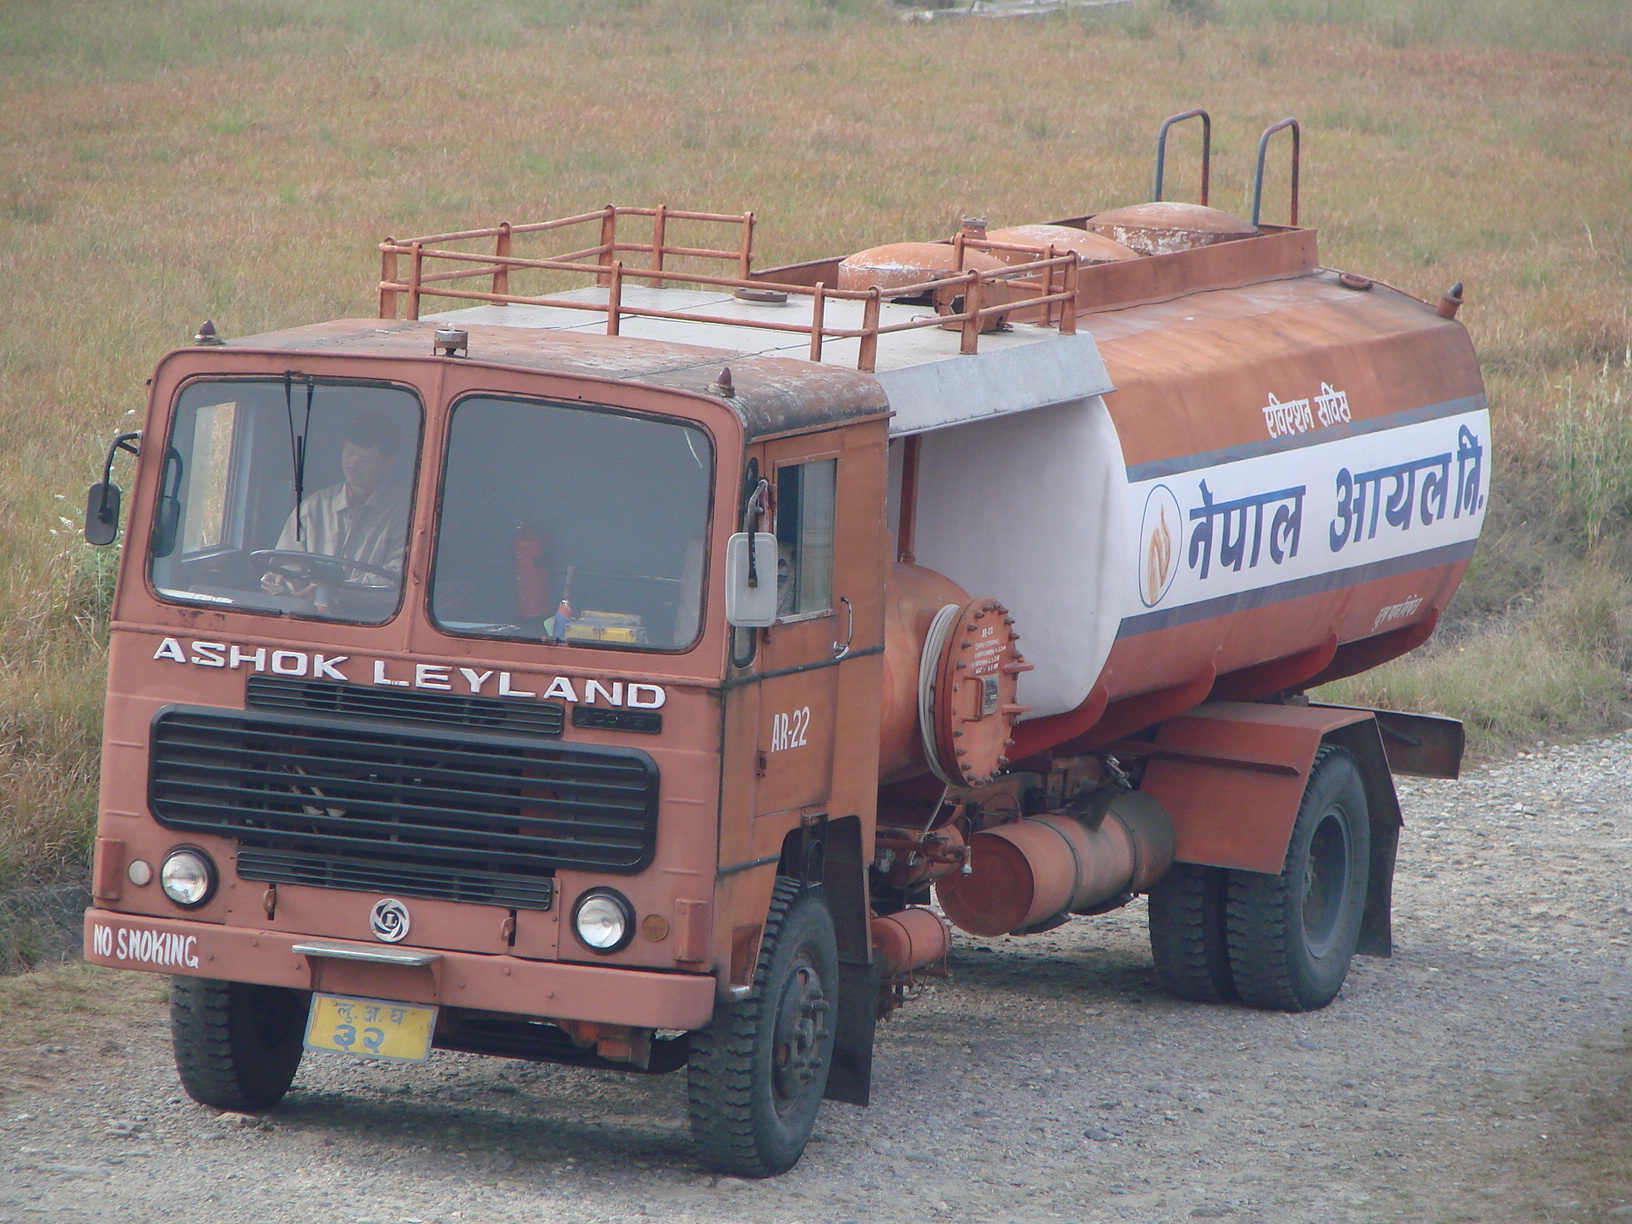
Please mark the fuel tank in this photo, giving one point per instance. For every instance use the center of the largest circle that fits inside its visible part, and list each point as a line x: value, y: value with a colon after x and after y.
x: 1285, y: 485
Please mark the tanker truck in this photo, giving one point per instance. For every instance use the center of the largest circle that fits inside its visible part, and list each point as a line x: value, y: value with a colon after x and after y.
x: 643, y: 662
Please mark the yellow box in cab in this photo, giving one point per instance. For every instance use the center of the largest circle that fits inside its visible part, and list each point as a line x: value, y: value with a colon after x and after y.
x: 607, y: 627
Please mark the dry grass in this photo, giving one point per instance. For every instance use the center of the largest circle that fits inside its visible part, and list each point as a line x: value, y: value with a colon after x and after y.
x: 1555, y: 667
x: 169, y: 163
x: 1558, y: 25
x: 76, y: 1004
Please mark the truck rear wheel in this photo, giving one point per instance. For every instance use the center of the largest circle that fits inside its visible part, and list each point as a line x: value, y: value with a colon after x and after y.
x: 237, y: 1044
x: 1188, y: 937
x: 759, y: 1070
x: 1292, y: 935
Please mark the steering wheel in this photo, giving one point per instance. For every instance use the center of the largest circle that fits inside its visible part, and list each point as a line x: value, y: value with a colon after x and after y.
x: 320, y: 568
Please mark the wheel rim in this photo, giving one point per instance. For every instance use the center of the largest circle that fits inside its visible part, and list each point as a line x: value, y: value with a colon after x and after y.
x: 1326, y: 882
x: 799, y: 1054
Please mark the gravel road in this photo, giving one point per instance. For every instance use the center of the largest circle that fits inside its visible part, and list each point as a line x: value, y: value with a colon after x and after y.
x: 1483, y: 1073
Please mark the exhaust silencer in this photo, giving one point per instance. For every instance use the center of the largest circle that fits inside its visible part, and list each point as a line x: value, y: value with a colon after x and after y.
x: 1024, y: 876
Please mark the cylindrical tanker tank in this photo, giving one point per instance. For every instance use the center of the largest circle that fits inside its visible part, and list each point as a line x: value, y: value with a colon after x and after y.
x: 1285, y: 486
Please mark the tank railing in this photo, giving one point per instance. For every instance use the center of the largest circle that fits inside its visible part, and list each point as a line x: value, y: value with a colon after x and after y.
x: 1048, y: 258
x: 1048, y: 283
x: 1206, y: 150
x: 603, y: 254
x: 1258, y: 184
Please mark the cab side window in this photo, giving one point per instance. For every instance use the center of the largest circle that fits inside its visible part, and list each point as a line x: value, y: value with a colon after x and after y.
x: 804, y: 537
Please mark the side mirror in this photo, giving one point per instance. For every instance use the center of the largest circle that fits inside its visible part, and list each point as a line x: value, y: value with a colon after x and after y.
x: 102, y: 502
x: 102, y: 514
x: 750, y: 580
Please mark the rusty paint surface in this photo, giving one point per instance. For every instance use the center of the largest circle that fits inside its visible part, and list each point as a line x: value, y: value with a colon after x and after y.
x: 773, y: 395
x: 489, y: 983
x: 1231, y: 776
x: 1089, y: 248
x: 905, y: 264
x: 1166, y: 227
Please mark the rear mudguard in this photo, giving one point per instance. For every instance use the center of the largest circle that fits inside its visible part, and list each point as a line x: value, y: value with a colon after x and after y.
x: 1232, y: 775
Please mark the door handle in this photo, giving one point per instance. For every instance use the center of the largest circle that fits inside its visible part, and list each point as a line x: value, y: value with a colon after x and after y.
x: 840, y: 649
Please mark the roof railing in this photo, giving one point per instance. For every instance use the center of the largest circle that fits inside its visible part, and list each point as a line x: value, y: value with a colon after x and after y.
x: 1042, y: 290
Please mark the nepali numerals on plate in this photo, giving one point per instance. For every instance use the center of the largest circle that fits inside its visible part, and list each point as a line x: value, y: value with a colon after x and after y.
x: 372, y: 1028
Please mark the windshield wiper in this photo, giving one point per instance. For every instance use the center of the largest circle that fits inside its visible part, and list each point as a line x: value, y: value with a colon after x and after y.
x: 297, y: 441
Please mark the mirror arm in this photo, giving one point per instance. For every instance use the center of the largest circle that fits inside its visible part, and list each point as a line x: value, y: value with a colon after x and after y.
x: 752, y: 512
x: 131, y: 443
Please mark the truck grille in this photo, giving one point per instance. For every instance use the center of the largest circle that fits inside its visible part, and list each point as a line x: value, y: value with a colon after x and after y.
x: 383, y: 807
x: 371, y: 701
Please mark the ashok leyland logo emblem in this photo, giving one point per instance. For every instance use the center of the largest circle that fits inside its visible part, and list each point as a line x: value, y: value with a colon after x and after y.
x: 389, y: 920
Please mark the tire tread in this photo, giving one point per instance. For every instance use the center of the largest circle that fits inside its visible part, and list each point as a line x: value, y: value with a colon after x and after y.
x: 1263, y: 947
x: 221, y: 1064
x: 721, y: 1083
x: 1188, y: 939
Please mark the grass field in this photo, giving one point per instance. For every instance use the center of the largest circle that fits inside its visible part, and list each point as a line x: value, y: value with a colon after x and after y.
x: 170, y: 162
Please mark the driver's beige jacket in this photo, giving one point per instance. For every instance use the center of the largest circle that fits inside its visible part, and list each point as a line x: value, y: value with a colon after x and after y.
x: 372, y: 531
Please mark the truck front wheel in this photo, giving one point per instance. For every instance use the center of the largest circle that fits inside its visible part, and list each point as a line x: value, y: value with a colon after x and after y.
x: 237, y: 1044
x: 1292, y: 935
x: 758, y: 1071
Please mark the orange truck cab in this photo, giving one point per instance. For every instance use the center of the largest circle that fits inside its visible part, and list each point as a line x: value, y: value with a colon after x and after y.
x: 606, y: 671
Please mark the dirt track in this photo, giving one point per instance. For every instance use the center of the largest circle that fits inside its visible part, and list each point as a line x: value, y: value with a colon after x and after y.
x: 1480, y: 1074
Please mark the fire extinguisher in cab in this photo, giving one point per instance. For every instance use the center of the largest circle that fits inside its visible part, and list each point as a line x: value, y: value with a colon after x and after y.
x: 532, y: 583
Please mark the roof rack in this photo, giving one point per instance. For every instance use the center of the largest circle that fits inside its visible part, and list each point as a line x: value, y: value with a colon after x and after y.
x: 1043, y: 289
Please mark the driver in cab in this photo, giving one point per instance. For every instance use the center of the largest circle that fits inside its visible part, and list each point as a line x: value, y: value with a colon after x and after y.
x: 363, y: 518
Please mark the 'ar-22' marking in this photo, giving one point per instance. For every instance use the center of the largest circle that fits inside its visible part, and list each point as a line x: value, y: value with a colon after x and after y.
x: 790, y: 730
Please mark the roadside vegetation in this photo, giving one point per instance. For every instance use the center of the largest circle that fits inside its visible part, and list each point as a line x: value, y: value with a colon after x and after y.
x: 168, y: 163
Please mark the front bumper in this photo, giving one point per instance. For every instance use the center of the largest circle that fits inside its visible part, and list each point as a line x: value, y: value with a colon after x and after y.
x: 545, y: 989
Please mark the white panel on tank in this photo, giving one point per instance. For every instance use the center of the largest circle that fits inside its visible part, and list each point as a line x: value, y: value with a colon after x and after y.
x: 1033, y: 510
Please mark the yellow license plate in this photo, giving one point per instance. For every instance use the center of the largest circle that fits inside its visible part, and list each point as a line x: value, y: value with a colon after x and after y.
x: 371, y: 1028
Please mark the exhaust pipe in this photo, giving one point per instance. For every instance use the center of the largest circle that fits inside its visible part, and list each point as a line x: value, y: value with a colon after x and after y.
x: 1029, y: 875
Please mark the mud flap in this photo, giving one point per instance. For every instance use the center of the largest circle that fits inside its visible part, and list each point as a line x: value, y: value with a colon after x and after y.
x: 1425, y: 745
x: 850, y: 1078
x: 1367, y: 742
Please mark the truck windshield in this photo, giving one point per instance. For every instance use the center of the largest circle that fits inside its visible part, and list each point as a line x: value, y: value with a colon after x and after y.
x: 243, y: 454
x: 566, y: 523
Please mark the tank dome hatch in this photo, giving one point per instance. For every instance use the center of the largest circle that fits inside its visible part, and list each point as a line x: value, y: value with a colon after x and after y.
x: 901, y: 265
x: 1167, y: 226
x: 911, y: 265
x: 1090, y: 248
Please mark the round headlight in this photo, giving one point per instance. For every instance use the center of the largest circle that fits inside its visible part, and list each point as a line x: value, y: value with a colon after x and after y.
x: 187, y: 877
x: 603, y: 921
